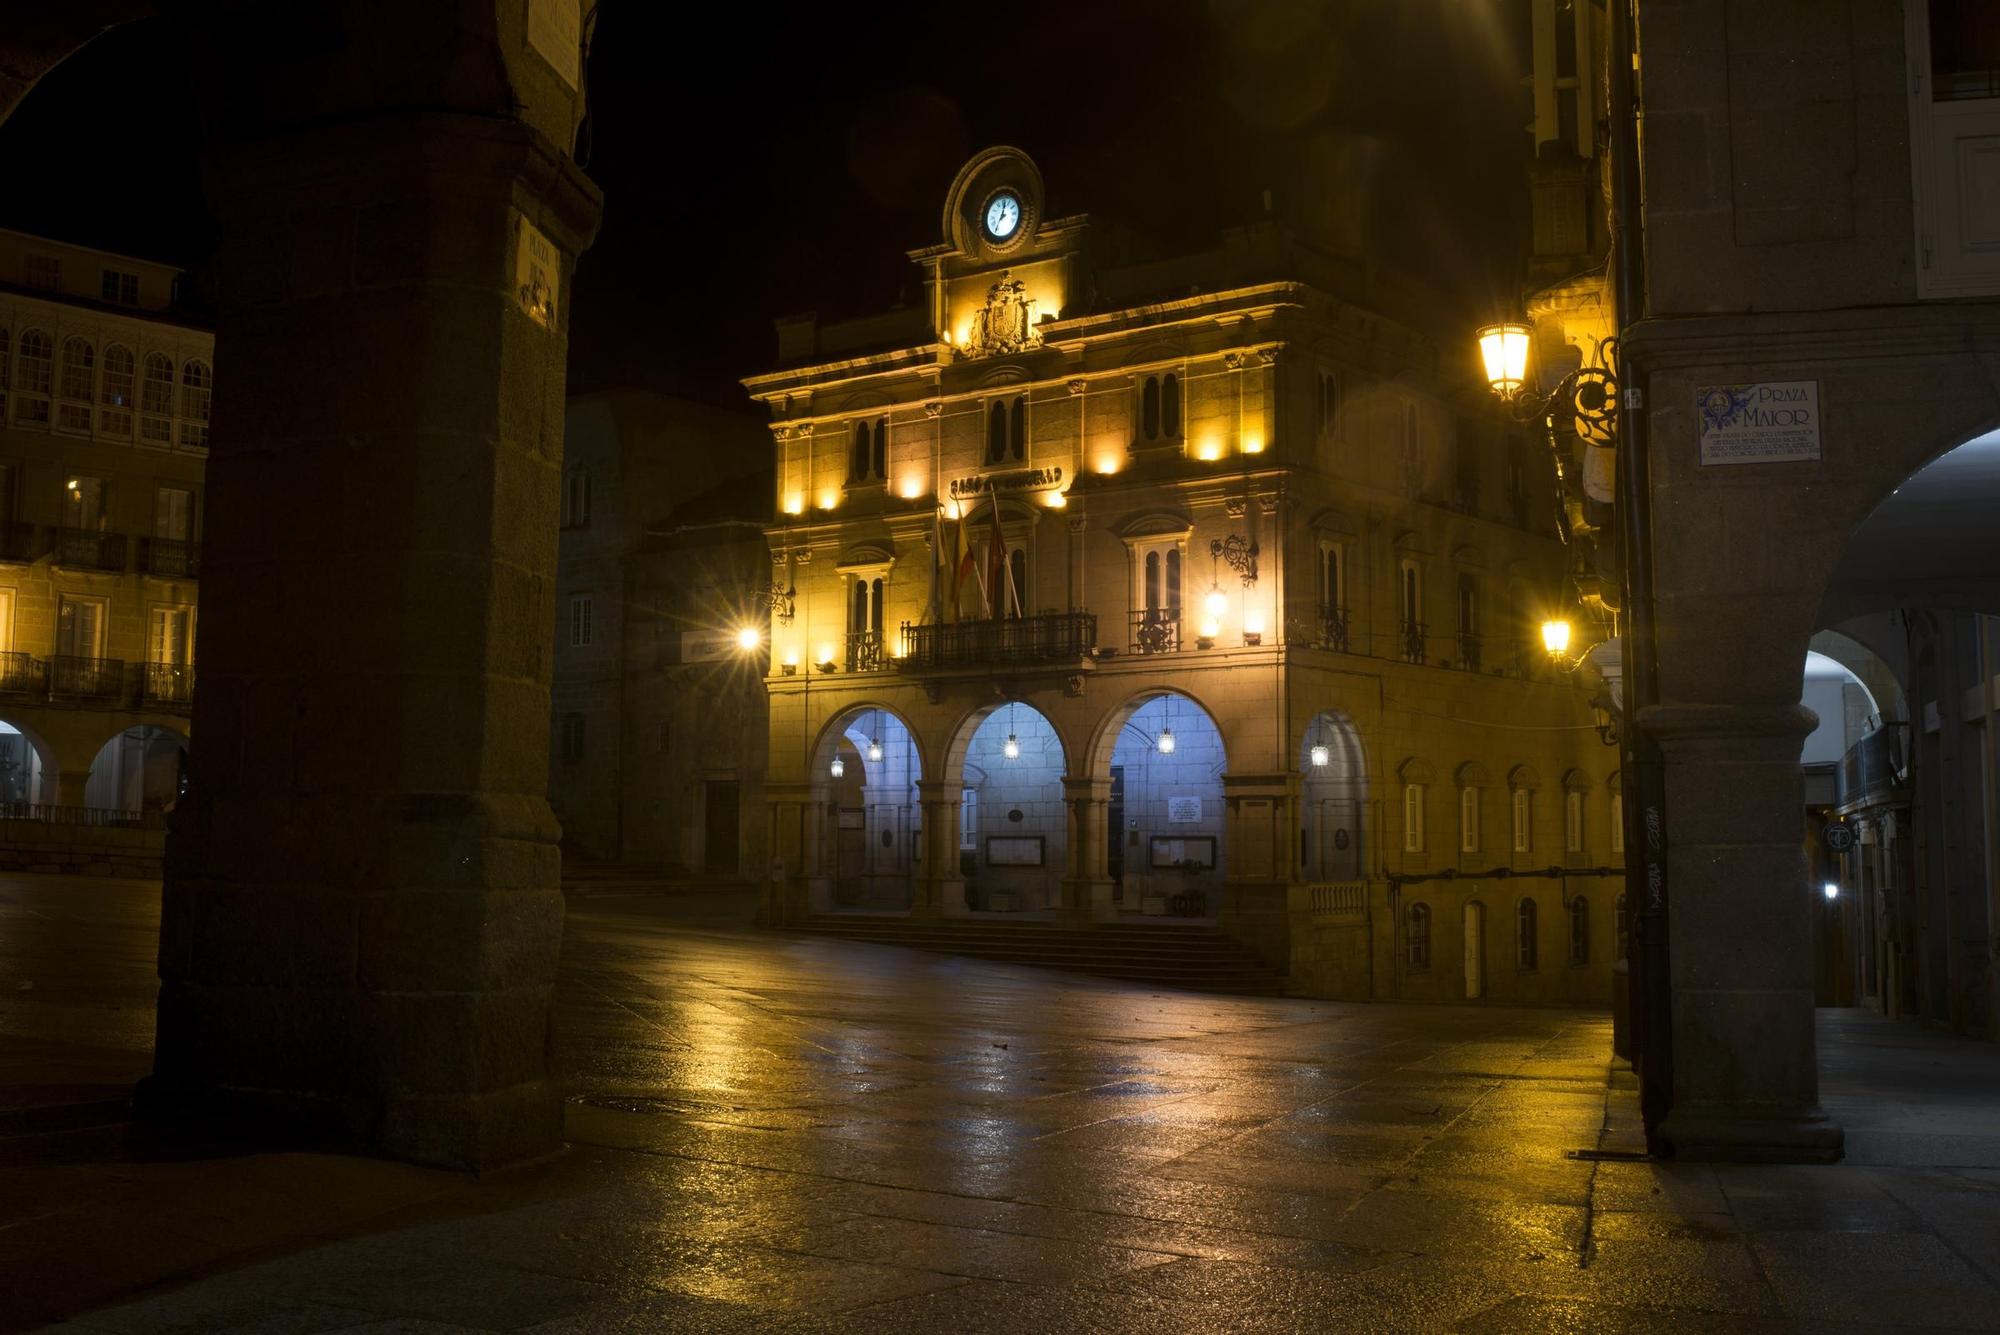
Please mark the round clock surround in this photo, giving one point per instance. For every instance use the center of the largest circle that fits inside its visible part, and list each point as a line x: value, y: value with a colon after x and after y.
x: 1001, y: 219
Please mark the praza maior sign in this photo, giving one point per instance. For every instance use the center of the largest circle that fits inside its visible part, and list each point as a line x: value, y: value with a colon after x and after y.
x: 1021, y: 479
x: 1769, y: 423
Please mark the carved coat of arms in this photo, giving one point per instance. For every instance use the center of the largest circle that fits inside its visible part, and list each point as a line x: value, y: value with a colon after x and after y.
x: 1006, y: 324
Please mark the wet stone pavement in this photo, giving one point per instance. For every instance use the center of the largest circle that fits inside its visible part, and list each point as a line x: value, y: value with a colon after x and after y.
x: 782, y: 1134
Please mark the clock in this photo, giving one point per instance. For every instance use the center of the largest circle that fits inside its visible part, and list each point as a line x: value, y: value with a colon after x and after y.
x: 1003, y: 215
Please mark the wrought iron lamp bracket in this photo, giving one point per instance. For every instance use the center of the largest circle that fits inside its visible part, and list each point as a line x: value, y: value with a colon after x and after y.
x: 1239, y: 554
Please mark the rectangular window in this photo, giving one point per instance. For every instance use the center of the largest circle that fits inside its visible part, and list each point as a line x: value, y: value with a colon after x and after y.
x: 83, y: 503
x: 1413, y: 818
x: 41, y: 271
x: 120, y: 288
x: 579, y: 622
x: 968, y: 818
x: 572, y: 737
x: 6, y: 620
x: 1618, y: 823
x: 173, y: 514
x: 1572, y: 822
x: 80, y: 628
x: 1524, y: 807
x: 167, y: 640
x: 1468, y: 820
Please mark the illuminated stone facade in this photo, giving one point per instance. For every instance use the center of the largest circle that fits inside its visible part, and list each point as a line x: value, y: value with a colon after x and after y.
x: 1253, y: 498
x: 105, y: 392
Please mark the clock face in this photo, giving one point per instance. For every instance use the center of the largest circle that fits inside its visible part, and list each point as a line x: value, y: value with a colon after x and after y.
x: 1003, y: 215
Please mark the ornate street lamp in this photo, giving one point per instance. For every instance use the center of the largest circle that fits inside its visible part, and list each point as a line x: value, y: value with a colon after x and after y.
x: 1504, y: 349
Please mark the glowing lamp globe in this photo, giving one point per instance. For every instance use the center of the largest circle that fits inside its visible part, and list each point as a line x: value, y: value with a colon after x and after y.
x: 1831, y: 890
x: 874, y: 748
x: 1166, y: 741
x: 837, y: 768
x: 1217, y: 603
x: 1012, y: 748
x: 1504, y: 350
x: 749, y: 638
x: 1320, y: 756
x: 1555, y: 637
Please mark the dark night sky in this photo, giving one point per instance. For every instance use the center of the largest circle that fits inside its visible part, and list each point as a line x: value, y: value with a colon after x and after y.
x: 783, y: 159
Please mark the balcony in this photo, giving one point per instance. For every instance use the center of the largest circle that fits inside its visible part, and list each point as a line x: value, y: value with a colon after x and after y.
x: 77, y: 680
x: 86, y: 549
x: 23, y: 675
x: 864, y: 651
x: 17, y: 542
x: 1156, y: 630
x: 1413, y: 641
x: 172, y: 558
x: 168, y: 686
x: 1049, y: 637
x: 1334, y: 629
x: 1468, y: 651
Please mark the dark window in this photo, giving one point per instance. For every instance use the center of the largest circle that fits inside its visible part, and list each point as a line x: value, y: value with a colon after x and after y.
x: 881, y: 447
x: 857, y: 462
x: 1174, y: 579
x: 1329, y: 577
x: 875, y: 606
x: 1160, y: 407
x: 996, y: 433
x: 1579, y: 930
x: 1526, y: 952
x: 1149, y: 410
x: 1417, y: 937
x: 120, y: 288
x: 1152, y: 581
x: 1017, y: 436
x: 1170, y: 404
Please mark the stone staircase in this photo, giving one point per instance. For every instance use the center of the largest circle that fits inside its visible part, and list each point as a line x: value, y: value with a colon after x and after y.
x: 1194, y: 957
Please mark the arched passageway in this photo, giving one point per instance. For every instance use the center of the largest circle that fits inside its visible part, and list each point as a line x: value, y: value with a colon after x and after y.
x: 1335, y: 795
x: 1166, y: 817
x: 1013, y: 835
x: 27, y: 775
x: 865, y: 774
x: 141, y: 771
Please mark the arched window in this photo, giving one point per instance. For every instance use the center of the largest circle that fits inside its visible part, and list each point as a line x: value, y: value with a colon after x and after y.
x: 197, y: 384
x: 1413, y: 818
x: 1149, y: 409
x: 1170, y: 405
x: 875, y: 611
x: 1329, y: 402
x: 880, y: 457
x: 1153, y: 603
x: 1017, y: 432
x: 1579, y: 930
x: 1174, y: 579
x: 156, y: 400
x: 34, y: 369
x: 576, y: 498
x: 857, y: 462
x: 78, y: 386
x: 1468, y: 820
x: 996, y: 432
x: 114, y: 392
x: 1525, y: 952
x: 1417, y: 937
x: 1160, y: 407
x: 1524, y: 823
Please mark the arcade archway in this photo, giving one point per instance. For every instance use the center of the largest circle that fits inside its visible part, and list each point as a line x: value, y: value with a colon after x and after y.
x: 141, y: 771
x: 1013, y: 835
x: 1335, y: 795
x: 1165, y: 763
x: 865, y: 773
x: 27, y: 771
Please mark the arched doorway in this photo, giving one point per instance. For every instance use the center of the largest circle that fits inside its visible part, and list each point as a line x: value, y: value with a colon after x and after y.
x: 1336, y: 789
x: 1013, y: 833
x: 141, y: 771
x: 26, y: 778
x: 865, y: 774
x: 1165, y: 818
x: 1475, y: 950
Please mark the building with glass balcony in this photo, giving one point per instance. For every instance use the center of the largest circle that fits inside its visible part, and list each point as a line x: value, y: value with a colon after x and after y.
x: 1127, y: 587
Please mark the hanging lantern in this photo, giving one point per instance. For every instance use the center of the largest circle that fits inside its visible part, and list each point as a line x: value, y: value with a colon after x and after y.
x: 874, y: 748
x: 1012, y: 748
x: 1166, y: 741
x: 837, y: 768
x: 1319, y: 755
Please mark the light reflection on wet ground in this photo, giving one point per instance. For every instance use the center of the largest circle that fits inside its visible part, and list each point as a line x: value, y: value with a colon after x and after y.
x: 776, y: 1134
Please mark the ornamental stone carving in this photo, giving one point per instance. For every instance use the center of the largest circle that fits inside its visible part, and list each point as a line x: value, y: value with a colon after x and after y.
x: 1006, y: 324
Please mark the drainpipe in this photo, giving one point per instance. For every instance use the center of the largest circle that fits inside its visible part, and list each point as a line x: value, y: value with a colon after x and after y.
x: 1645, y: 831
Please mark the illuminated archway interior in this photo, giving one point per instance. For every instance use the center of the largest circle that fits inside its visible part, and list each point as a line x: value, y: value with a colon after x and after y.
x: 868, y: 769
x: 1335, y: 792
x: 1013, y: 834
x: 141, y: 770
x: 1166, y: 811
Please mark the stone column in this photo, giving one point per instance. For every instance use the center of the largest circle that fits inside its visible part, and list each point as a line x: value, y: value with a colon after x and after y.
x: 1745, y: 1083
x: 942, y: 890
x: 1086, y: 885
x: 70, y: 785
x: 362, y: 910
x: 1259, y: 863
x: 791, y: 815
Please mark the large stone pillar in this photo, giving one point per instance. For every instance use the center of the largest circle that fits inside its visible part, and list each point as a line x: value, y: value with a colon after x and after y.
x: 793, y: 846
x: 941, y: 891
x: 362, y: 910
x: 1260, y: 858
x: 1745, y: 1082
x: 1086, y: 884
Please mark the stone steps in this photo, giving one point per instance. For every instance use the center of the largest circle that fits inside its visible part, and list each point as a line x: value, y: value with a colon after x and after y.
x: 1197, y: 958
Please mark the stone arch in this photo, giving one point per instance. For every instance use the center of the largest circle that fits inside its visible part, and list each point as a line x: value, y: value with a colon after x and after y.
x: 1013, y: 827
x: 28, y: 764
x: 1167, y: 806
x: 867, y: 763
x: 141, y: 769
x: 1334, y: 798
x: 1524, y: 776
x: 1415, y: 769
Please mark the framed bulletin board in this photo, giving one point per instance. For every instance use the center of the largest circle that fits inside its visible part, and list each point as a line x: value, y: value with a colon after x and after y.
x: 1173, y: 850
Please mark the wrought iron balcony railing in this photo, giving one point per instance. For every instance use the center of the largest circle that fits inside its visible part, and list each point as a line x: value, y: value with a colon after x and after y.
x: 1334, y: 629
x: 87, y: 549
x: 173, y: 558
x: 1042, y: 638
x: 95, y: 679
x: 1156, y: 630
x: 864, y: 651
x: 1468, y: 651
x: 168, y: 685
x: 1413, y: 641
x: 23, y: 674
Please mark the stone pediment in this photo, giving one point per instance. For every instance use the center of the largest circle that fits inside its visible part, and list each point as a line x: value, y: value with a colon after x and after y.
x: 1153, y: 524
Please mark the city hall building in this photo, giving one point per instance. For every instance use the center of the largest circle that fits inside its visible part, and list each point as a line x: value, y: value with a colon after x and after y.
x: 1111, y: 586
